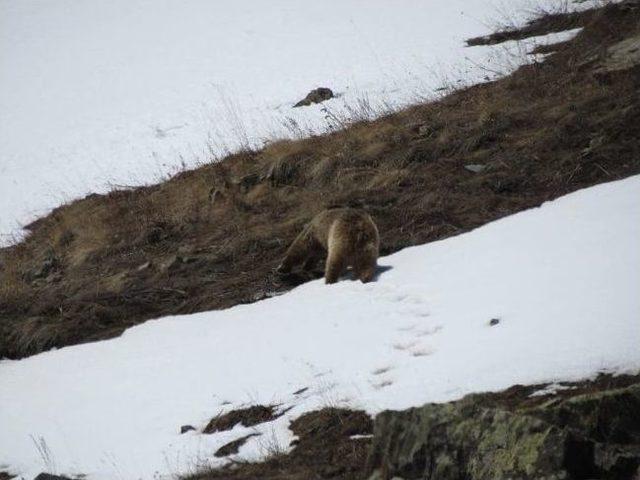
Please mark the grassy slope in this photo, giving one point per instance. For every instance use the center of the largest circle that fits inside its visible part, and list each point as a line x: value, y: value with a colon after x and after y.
x: 210, y: 238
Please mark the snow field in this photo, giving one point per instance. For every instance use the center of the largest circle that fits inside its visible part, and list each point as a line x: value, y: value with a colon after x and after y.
x: 110, y: 93
x: 562, y: 279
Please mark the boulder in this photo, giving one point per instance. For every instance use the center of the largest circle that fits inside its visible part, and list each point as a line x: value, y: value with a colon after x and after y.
x: 186, y: 428
x: 318, y: 95
x: 585, y: 436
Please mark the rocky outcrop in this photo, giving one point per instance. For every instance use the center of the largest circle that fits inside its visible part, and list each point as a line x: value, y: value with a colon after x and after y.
x: 591, y: 435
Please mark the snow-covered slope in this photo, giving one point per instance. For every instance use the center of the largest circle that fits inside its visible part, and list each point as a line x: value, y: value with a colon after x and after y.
x: 123, y: 92
x: 562, y: 280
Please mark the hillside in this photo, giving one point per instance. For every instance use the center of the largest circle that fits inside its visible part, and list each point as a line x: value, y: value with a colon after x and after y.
x: 209, y: 238
x: 114, y: 94
x: 499, y: 339
x: 512, y: 302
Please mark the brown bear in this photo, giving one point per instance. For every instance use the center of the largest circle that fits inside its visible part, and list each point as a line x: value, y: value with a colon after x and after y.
x: 348, y: 237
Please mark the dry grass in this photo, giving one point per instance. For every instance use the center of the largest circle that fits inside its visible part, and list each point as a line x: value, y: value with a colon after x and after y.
x: 545, y: 18
x: 324, y: 449
x: 210, y: 238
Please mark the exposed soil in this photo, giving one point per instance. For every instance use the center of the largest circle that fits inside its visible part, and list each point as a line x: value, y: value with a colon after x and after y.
x: 520, y: 395
x: 210, y: 238
x: 545, y: 24
x: 324, y: 449
x: 247, y: 417
x: 232, y: 448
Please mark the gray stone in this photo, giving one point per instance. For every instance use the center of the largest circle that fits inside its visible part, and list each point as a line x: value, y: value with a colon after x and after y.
x: 475, y: 167
x: 315, y: 96
x: 593, y: 435
x: 186, y: 428
x: 144, y: 266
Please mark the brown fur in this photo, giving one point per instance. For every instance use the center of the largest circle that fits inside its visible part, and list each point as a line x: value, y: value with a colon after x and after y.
x: 347, y: 236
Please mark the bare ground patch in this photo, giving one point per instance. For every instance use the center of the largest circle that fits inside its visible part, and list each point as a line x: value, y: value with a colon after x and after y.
x: 336, y: 444
x: 247, y: 417
x: 233, y: 447
x: 324, y: 449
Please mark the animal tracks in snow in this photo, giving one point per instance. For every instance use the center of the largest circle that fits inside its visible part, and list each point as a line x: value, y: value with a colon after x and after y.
x: 412, y: 309
x: 402, y: 346
x: 381, y: 370
x: 429, y: 331
x: 422, y: 352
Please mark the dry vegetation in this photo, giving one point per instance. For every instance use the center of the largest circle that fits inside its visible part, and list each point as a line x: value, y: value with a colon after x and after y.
x: 324, y: 449
x: 336, y: 444
x: 210, y: 238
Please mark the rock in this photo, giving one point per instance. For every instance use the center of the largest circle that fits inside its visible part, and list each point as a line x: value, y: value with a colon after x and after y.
x: 48, y: 476
x: 318, y: 95
x: 588, y: 435
x: 475, y: 168
x: 144, y: 266
x: 186, y: 428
